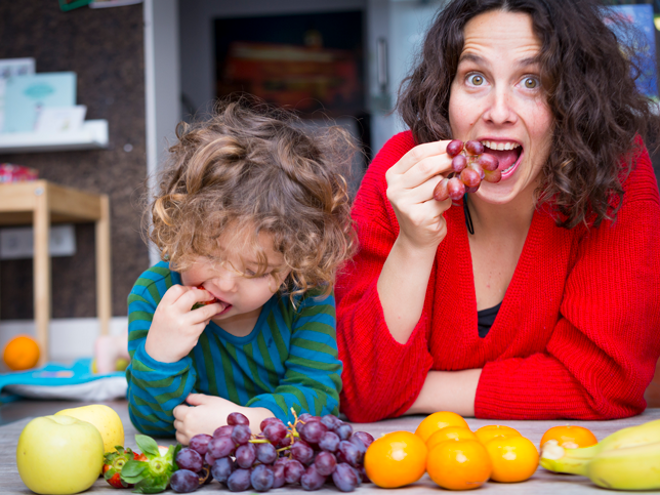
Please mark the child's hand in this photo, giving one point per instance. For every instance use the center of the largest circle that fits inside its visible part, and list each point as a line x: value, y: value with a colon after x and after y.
x: 209, y: 413
x: 176, y: 328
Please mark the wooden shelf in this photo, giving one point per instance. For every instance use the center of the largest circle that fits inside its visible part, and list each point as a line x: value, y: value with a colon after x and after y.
x: 93, y: 135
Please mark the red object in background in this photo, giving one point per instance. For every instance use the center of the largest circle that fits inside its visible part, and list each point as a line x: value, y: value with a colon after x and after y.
x: 17, y: 173
x: 306, y: 78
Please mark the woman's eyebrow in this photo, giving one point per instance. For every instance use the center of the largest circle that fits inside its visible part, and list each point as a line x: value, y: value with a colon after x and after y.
x: 477, y: 59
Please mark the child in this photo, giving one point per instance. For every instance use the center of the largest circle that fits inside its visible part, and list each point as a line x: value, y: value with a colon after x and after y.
x: 252, y: 222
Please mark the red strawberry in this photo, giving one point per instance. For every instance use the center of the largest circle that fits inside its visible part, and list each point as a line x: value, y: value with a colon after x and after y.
x: 203, y: 303
x: 139, y: 457
x: 113, y: 462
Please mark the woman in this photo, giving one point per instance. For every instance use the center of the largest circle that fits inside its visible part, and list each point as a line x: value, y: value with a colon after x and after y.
x: 535, y: 297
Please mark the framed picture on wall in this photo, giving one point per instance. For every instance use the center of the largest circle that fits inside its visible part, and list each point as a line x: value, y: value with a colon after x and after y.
x: 308, y: 62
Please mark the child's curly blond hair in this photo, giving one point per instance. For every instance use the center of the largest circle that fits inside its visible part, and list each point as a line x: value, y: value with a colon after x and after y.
x: 254, y: 169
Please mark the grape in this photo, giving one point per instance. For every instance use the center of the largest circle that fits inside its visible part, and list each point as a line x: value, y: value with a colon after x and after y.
x: 470, y: 177
x: 261, y: 478
x: 189, y: 459
x: 458, y: 163
x: 355, y: 440
x: 237, y: 418
x: 363, y: 475
x: 493, y: 176
x: 184, y: 481
x: 474, y: 147
x: 441, y: 193
x: 367, y: 438
x: 329, y: 441
x: 304, y: 417
x: 325, y: 463
x: 286, y: 441
x: 222, y: 468
x: 266, y: 452
x: 275, y: 432
x: 268, y: 421
x: 199, y: 443
x: 330, y: 421
x: 312, y: 431
x: 221, y: 447
x: 488, y: 162
x: 454, y: 147
x: 469, y: 190
x: 344, y: 430
x: 302, y: 452
x: 349, y: 453
x: 477, y: 168
x: 246, y: 455
x: 241, y: 434
x: 239, y: 480
x: 345, y: 478
x: 456, y: 188
x: 293, y: 470
x: 311, y: 479
x: 278, y: 475
x: 209, y: 459
x: 223, y: 431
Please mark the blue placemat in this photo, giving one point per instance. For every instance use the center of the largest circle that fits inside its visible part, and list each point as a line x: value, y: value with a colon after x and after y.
x: 58, y: 381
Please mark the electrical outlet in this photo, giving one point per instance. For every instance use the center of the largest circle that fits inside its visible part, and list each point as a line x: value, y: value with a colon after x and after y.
x: 18, y: 243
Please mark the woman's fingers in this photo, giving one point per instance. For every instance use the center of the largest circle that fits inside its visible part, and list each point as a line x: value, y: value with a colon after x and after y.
x: 418, y: 154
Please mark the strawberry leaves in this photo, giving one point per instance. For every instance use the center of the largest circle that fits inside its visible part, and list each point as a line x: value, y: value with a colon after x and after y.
x: 153, y: 474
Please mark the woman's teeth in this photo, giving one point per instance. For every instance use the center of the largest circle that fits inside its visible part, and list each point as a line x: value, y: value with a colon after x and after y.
x: 499, y: 146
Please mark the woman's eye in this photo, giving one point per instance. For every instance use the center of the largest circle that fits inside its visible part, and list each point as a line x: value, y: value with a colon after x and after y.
x: 531, y: 83
x: 475, y: 79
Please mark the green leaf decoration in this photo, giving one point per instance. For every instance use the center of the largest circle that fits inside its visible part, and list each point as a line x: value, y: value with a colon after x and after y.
x: 147, y: 445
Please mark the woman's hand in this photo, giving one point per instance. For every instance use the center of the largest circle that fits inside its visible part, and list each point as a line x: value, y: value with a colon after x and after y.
x: 175, y: 328
x: 210, y: 412
x: 410, y: 185
x: 405, y: 274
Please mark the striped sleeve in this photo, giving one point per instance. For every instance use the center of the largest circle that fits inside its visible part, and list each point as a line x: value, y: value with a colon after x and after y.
x: 312, y: 380
x: 154, y: 388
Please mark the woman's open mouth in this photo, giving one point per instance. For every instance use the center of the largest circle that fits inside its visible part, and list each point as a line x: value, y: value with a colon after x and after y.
x: 508, y: 153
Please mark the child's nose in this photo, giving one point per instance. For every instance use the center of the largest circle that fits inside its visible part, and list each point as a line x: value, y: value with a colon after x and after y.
x: 226, y: 281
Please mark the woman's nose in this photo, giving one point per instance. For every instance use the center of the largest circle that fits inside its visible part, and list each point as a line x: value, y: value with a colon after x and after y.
x: 500, y: 110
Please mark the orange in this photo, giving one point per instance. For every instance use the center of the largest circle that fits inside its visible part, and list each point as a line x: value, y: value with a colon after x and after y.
x: 570, y: 437
x: 395, y: 459
x: 21, y: 353
x: 514, y: 458
x: 433, y: 422
x: 459, y: 464
x: 449, y: 433
x: 488, y: 432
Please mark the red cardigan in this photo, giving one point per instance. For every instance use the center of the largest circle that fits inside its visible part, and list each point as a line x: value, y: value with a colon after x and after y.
x: 576, y: 335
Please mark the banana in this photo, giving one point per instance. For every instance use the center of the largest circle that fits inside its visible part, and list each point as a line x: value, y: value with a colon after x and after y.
x: 626, y: 468
x: 628, y: 459
x: 629, y: 468
x: 648, y: 432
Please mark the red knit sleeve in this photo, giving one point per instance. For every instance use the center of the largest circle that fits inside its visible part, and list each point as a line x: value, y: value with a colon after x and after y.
x: 381, y: 377
x: 602, y: 353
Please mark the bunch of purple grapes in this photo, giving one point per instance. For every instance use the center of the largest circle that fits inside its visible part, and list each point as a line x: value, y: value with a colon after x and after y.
x: 311, y: 452
x: 470, y: 165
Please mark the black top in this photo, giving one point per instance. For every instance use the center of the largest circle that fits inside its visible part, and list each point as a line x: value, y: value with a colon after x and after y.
x: 486, y: 318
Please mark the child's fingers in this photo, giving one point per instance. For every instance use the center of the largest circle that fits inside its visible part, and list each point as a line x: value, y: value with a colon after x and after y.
x: 197, y: 399
x: 180, y: 411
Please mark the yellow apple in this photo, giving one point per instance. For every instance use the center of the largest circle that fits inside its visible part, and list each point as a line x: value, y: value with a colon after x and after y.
x: 59, y: 455
x: 106, y: 420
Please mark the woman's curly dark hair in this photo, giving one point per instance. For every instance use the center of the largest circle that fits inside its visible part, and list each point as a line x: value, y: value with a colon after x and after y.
x: 588, y: 77
x: 252, y: 168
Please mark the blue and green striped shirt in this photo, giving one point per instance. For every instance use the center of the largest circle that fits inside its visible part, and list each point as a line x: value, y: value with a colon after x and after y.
x: 288, y: 360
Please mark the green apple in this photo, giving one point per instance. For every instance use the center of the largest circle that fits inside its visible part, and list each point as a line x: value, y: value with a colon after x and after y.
x: 59, y: 455
x: 106, y: 420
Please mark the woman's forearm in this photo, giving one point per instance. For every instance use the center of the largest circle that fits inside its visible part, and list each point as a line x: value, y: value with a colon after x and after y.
x: 448, y: 391
x: 402, y: 287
